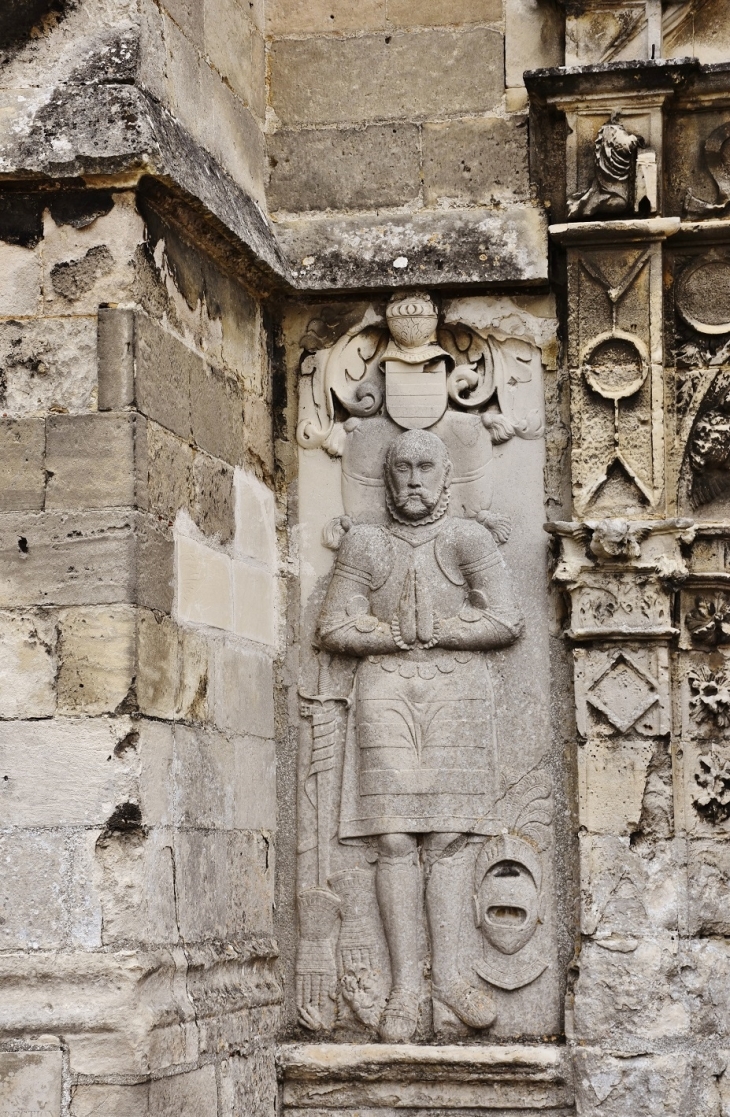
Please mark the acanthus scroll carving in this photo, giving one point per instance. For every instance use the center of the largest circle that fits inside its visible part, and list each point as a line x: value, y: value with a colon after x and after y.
x: 405, y: 359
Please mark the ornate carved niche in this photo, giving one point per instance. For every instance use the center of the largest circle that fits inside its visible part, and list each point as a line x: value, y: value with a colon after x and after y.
x: 426, y: 893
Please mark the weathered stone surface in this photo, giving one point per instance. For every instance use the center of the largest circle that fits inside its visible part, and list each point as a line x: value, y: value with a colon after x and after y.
x: 460, y: 246
x: 630, y: 892
x: 28, y: 664
x: 62, y: 772
x: 213, y: 498
x: 613, y: 777
x: 47, y: 898
x: 242, y: 691
x: 48, y: 365
x: 82, y: 558
x: 236, y: 49
x: 225, y: 884
x: 166, y: 466
x: 248, y: 1084
x: 708, y: 872
x: 216, y: 404
x: 136, y: 886
x: 30, y: 1082
x: 290, y: 17
x: 90, y: 461
x: 114, y: 1101
x: 534, y: 35
x: 115, y: 354
x: 642, y: 1084
x: 385, y: 77
x: 186, y: 1095
x: 97, y: 659
x: 163, y: 373
x: 476, y: 161
x: 431, y: 13
x: 20, y: 286
x: 22, y: 475
x: 344, y: 169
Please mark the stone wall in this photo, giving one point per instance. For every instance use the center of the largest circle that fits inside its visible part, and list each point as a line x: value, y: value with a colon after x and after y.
x: 213, y: 214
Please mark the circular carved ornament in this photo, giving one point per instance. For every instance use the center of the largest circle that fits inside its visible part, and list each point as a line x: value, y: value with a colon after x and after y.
x: 703, y: 295
x: 615, y: 364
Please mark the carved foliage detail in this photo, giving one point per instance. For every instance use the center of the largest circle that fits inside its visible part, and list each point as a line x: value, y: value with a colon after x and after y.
x: 711, y: 800
x: 710, y: 701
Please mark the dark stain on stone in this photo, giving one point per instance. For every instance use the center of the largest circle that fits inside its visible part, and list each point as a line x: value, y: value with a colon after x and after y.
x: 80, y: 207
x: 125, y: 821
x: 73, y: 278
x: 21, y: 218
x: 18, y: 18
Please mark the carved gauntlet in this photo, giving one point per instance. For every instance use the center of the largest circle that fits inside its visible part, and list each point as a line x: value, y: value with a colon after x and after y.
x: 316, y: 968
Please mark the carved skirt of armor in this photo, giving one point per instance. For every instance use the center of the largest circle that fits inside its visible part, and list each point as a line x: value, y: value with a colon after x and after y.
x: 421, y: 753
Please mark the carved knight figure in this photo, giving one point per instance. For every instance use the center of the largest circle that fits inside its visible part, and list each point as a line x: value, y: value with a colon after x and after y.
x: 419, y: 601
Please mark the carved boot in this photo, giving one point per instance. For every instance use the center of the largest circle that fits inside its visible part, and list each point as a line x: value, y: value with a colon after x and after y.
x: 398, y: 883
x: 446, y: 893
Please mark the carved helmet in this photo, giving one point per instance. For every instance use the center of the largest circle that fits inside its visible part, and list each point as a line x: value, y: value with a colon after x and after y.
x: 508, y: 892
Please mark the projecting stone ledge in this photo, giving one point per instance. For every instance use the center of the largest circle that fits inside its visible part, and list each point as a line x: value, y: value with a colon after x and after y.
x: 382, y: 1080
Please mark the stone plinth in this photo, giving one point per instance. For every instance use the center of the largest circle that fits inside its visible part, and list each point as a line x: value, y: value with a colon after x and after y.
x: 382, y: 1080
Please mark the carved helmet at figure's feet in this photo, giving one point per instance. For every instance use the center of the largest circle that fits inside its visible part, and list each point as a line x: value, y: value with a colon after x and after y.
x: 400, y: 1016
x: 473, y: 1006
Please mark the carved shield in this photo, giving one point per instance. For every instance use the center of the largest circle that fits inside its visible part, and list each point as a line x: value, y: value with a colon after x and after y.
x: 415, y: 397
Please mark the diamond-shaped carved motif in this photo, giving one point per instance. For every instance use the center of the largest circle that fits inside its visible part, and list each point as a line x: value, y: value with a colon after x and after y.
x: 623, y: 692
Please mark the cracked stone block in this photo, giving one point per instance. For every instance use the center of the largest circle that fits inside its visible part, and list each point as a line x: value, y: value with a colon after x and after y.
x: 629, y: 891
x: 225, y: 884
x: 642, y: 1085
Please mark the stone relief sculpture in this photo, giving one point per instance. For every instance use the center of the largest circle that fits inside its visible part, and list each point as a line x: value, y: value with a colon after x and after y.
x: 613, y: 191
x: 718, y: 165
x: 402, y: 756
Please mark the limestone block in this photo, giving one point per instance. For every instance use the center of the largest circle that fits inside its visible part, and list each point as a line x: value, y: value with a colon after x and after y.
x: 255, y: 785
x: 376, y: 77
x: 64, y: 772
x: 233, y: 1032
x: 248, y: 1084
x: 84, y: 267
x: 97, y: 658
x: 158, y: 660
x: 213, y: 499
x: 20, y: 282
x: 434, y: 13
x: 184, y: 1095
x: 112, y: 1101
x: 708, y: 872
x: 30, y: 1083
x: 163, y: 370
x: 225, y: 884
x: 194, y: 678
x: 205, y: 788
x: 629, y: 891
x: 154, y: 564
x: 232, y: 134
x: 204, y: 584
x: 115, y: 355
x: 533, y: 38
x: 169, y: 472
x: 290, y: 17
x: 135, y: 872
x: 28, y: 665
x: 236, y: 49
x: 622, y: 691
x: 612, y: 778
x: 217, y: 414
x: 22, y: 476
x: 634, y: 991
x: 259, y: 430
x: 50, y: 364
x: 642, y: 1085
x: 242, y: 691
x: 255, y: 520
x: 189, y: 16
x: 476, y: 161
x: 254, y: 603
x: 90, y: 461
x: 47, y: 899
x: 704, y: 985
x: 153, y: 743
x: 344, y: 169
x: 66, y: 559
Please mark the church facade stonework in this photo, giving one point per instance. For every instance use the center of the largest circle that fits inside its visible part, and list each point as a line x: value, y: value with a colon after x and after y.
x: 365, y: 558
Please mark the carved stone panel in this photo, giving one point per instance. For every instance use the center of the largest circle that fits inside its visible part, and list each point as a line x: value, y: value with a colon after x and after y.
x: 425, y: 881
